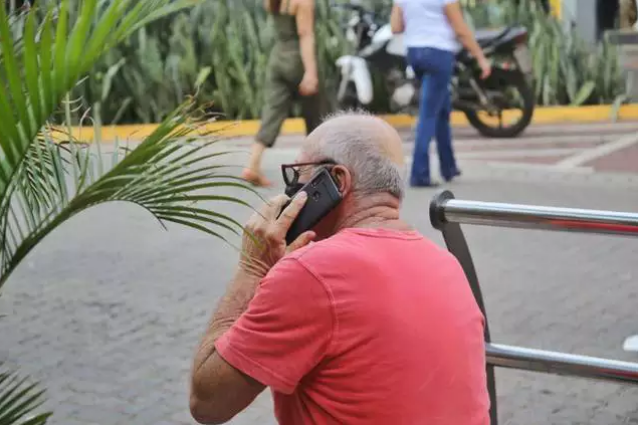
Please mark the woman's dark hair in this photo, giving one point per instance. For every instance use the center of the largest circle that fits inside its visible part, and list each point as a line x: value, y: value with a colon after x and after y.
x: 275, y: 6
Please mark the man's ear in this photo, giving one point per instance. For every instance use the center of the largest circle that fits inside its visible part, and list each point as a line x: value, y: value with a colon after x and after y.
x: 343, y: 178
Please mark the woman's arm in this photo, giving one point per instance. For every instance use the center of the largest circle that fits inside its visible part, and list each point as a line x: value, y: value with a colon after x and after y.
x: 454, y: 15
x: 305, y: 15
x: 396, y: 20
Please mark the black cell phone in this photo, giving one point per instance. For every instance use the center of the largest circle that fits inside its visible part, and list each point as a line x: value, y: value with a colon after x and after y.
x: 323, y: 197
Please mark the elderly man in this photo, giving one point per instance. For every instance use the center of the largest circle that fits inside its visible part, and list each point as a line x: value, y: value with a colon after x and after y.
x: 369, y: 324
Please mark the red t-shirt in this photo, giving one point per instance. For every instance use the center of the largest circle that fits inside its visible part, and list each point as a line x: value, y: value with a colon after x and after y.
x: 370, y: 326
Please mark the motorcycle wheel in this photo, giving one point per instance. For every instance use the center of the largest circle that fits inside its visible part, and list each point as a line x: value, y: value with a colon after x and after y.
x: 504, y: 80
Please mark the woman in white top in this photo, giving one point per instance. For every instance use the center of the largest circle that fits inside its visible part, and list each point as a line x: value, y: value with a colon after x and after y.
x: 431, y: 29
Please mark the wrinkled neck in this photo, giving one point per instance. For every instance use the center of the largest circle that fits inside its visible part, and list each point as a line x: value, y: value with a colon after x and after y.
x: 377, y: 211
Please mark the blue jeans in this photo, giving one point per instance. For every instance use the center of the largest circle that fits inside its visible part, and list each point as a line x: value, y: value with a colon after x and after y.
x: 434, y: 68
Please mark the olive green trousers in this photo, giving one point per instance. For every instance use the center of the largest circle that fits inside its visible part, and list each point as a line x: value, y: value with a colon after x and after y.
x: 284, y: 74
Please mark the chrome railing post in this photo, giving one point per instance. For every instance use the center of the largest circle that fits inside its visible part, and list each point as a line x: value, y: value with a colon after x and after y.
x: 448, y: 213
x: 457, y: 245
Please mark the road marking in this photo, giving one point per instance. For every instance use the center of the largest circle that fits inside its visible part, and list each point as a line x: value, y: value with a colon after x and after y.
x: 598, y: 152
x: 631, y: 343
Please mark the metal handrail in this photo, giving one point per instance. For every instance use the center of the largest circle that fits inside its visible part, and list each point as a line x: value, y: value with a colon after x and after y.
x: 535, y: 217
x: 512, y: 357
x: 447, y: 214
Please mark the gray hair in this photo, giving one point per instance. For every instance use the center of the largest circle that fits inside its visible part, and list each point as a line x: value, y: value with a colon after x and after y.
x: 356, y: 148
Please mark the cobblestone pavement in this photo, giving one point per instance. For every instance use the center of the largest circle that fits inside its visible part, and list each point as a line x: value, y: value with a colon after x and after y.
x: 108, y: 310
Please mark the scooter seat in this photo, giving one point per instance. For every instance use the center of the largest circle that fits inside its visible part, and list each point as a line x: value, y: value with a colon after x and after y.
x: 486, y: 37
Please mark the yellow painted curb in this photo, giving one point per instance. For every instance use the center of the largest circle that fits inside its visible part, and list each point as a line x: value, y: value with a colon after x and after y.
x: 545, y: 115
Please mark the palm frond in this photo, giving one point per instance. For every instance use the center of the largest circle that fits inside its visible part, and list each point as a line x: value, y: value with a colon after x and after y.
x: 18, y: 401
x: 169, y: 173
x: 43, y: 183
x: 49, y: 60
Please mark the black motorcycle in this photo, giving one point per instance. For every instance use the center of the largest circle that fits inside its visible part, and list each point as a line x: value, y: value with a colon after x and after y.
x: 500, y: 106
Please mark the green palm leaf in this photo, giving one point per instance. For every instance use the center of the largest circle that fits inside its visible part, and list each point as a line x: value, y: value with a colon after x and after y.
x: 44, y: 183
x: 168, y: 174
x: 65, y: 57
x: 18, y: 400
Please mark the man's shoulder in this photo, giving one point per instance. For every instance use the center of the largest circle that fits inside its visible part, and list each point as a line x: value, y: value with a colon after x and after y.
x: 300, y: 269
x: 303, y: 259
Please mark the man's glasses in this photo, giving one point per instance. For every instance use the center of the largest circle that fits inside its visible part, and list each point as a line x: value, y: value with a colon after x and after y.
x: 292, y: 172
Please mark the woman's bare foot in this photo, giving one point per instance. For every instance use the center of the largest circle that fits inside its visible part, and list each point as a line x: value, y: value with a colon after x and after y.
x: 255, y: 178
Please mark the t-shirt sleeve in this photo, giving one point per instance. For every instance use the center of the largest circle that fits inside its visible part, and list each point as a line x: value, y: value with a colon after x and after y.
x: 285, y: 331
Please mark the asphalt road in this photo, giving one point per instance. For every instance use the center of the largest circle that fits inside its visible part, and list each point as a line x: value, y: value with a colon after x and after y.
x: 107, y: 311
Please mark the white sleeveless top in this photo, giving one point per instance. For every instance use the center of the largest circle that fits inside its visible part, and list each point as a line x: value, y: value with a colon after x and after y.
x: 426, y: 24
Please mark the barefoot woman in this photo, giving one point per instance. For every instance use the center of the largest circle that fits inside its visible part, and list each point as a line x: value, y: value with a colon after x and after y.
x: 292, y: 74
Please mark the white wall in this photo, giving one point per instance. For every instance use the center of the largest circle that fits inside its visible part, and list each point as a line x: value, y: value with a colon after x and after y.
x: 582, y: 14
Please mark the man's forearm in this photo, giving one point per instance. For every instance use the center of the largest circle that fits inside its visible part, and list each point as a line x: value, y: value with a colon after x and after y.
x: 232, y: 305
x: 217, y: 391
x: 220, y: 390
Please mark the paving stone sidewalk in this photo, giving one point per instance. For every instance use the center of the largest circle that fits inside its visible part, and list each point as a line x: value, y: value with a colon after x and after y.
x: 108, y: 310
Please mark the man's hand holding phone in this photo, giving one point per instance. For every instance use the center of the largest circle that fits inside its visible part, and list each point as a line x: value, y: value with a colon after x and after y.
x: 264, y: 240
